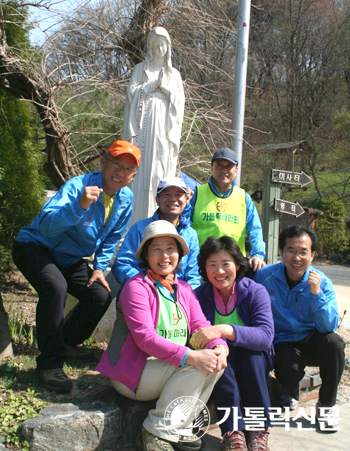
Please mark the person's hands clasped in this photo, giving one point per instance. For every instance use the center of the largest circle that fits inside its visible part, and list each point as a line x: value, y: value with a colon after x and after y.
x: 221, y: 352
x: 90, y: 196
x: 98, y: 276
x: 206, y: 360
x: 314, y: 281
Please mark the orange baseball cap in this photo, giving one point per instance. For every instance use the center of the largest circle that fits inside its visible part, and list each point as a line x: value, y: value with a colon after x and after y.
x: 124, y: 147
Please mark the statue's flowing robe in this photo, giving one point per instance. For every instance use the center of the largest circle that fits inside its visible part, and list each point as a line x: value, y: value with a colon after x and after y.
x: 153, y: 123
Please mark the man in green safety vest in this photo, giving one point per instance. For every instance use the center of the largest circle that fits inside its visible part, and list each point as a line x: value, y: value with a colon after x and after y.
x: 221, y: 208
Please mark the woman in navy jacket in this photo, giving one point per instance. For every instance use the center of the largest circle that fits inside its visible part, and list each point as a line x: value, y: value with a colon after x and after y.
x: 240, y: 312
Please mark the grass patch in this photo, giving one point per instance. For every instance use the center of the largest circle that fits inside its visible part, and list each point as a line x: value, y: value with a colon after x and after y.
x: 23, y: 397
x: 16, y: 408
x: 21, y: 394
x: 20, y: 331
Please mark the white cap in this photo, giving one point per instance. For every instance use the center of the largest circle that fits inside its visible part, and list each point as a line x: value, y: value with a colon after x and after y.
x: 161, y: 228
x: 171, y: 181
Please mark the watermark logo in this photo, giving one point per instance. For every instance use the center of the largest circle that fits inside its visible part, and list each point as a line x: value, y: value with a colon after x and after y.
x: 255, y: 418
x: 186, y: 416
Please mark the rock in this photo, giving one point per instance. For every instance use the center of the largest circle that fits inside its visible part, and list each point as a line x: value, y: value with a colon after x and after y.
x: 88, y: 427
x: 100, y: 426
x: 347, y: 363
x: 3, y: 444
x: 69, y: 427
x: 134, y: 414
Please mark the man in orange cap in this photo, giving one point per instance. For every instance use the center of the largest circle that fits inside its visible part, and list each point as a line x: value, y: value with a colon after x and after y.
x: 87, y: 216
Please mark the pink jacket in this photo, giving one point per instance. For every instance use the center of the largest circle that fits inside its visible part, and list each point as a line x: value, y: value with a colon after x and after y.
x: 140, y: 304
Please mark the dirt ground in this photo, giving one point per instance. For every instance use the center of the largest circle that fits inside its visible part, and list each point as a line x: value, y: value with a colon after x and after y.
x: 21, y: 300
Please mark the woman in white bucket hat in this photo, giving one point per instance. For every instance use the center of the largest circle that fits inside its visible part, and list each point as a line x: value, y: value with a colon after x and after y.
x: 151, y: 358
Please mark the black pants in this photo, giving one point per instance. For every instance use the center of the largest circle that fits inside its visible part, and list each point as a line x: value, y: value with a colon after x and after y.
x: 323, y: 350
x: 52, y: 283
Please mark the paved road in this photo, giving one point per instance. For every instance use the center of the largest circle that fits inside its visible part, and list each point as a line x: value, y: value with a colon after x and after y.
x: 306, y: 439
x: 340, y: 275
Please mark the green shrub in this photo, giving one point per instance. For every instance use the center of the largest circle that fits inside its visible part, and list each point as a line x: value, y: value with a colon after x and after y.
x: 21, y: 184
x: 330, y: 227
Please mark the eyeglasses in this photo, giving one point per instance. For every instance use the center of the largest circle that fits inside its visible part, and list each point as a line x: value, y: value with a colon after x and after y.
x: 118, y: 166
x: 294, y: 253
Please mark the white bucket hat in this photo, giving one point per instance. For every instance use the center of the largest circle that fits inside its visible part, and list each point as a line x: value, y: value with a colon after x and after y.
x: 160, y: 228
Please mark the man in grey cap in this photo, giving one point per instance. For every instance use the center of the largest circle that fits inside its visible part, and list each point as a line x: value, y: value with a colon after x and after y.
x: 221, y: 208
x: 171, y: 199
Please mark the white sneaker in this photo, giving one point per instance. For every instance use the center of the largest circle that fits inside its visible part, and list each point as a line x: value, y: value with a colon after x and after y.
x: 326, y: 418
x: 288, y: 401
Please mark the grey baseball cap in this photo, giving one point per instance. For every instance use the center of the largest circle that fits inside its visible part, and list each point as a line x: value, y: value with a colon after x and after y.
x: 171, y: 181
x: 226, y: 154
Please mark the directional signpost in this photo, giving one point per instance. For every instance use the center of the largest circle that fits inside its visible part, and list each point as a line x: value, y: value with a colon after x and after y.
x: 273, y: 206
x: 293, y: 178
x: 288, y: 207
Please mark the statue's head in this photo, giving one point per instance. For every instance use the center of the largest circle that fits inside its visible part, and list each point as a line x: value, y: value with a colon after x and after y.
x: 158, y: 40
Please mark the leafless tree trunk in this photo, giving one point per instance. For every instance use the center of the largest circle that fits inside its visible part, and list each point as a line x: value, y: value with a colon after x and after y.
x: 145, y: 18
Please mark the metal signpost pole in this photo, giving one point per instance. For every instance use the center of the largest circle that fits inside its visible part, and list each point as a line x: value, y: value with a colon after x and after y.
x: 240, y: 81
x: 273, y: 206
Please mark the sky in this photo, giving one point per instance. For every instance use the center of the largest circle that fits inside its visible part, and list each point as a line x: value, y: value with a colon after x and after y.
x: 49, y: 20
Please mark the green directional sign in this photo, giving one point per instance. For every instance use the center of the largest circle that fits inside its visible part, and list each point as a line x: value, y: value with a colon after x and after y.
x: 293, y: 178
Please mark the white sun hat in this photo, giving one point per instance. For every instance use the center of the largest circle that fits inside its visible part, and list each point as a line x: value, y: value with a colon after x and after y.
x: 161, y: 228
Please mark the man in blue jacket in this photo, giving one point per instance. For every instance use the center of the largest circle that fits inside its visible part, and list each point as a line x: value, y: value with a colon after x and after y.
x: 305, y: 314
x: 86, y: 217
x: 220, y: 208
x: 171, y: 199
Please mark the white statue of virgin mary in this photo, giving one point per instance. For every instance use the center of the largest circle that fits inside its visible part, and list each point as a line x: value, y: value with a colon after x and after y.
x: 153, y: 120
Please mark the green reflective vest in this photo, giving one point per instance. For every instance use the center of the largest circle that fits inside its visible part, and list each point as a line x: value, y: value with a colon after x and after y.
x: 232, y: 318
x: 217, y: 216
x: 172, y: 323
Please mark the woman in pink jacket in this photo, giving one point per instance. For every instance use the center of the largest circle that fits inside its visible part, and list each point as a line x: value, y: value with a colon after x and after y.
x: 149, y: 357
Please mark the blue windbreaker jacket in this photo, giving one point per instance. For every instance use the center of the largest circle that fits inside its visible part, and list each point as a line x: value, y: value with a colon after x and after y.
x: 70, y: 232
x: 125, y: 265
x: 297, y: 312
